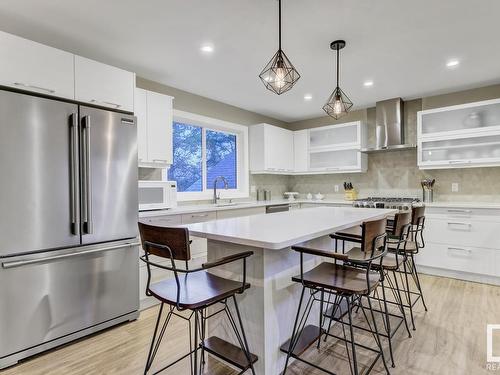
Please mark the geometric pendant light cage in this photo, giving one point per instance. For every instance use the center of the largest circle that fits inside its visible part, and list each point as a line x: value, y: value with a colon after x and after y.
x: 338, y: 103
x: 279, y: 75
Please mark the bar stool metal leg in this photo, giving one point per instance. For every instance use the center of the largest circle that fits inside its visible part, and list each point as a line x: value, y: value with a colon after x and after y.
x: 388, y: 321
x: 351, y: 330
x: 417, y: 280
x: 408, y: 294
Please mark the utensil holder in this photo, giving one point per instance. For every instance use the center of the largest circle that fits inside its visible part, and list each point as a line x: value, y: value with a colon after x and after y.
x: 428, y: 195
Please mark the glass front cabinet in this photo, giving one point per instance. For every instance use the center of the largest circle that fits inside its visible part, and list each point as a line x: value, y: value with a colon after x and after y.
x: 459, y: 136
x: 336, y: 148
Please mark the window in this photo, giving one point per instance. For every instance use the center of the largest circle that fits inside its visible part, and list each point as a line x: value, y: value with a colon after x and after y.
x: 204, y: 149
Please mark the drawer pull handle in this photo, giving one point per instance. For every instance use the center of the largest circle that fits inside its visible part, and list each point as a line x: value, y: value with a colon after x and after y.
x: 469, y: 225
x: 200, y: 215
x: 20, y: 84
x: 458, y: 211
x: 160, y: 160
x: 460, y: 250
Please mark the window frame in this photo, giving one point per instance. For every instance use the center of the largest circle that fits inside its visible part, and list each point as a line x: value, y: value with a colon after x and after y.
x: 242, y: 163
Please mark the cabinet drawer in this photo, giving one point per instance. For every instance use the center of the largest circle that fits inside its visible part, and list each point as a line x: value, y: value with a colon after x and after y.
x: 225, y: 214
x: 166, y: 220
x: 104, y: 85
x: 490, y: 214
x: 459, y: 258
x: 32, y: 66
x: 199, y: 217
x: 463, y: 232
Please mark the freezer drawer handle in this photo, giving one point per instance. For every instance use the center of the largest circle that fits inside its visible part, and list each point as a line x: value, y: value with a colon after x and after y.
x: 21, y: 263
x: 74, y: 173
x: 87, y: 178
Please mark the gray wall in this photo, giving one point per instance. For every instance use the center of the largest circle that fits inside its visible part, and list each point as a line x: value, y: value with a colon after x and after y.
x: 391, y: 173
x: 186, y: 101
x: 396, y: 173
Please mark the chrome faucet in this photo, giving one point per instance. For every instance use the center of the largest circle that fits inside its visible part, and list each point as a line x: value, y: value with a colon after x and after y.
x: 217, y: 197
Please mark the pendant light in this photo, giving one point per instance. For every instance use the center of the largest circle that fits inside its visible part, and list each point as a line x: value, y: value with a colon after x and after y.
x: 279, y: 75
x: 338, y: 103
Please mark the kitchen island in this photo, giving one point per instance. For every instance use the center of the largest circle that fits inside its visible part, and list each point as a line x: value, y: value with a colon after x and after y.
x: 268, y: 308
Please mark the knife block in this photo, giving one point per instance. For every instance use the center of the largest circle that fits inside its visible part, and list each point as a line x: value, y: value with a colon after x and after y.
x: 350, y: 195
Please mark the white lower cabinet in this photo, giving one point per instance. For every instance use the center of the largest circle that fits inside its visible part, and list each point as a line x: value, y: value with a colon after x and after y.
x: 459, y: 258
x: 463, y: 241
x: 225, y: 214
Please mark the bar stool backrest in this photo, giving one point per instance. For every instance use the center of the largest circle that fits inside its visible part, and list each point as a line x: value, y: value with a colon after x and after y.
x: 418, y: 213
x: 417, y: 221
x: 175, y: 239
x: 374, y: 236
x: 402, y: 222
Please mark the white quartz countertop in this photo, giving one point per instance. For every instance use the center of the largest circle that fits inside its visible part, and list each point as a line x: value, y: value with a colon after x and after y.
x: 195, y: 208
x: 284, y: 229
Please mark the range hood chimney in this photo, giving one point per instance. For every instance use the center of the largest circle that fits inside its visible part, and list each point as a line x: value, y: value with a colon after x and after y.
x: 389, y: 132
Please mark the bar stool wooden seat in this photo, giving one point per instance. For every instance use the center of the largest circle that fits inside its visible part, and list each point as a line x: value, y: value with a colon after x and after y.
x: 343, y: 283
x: 194, y: 291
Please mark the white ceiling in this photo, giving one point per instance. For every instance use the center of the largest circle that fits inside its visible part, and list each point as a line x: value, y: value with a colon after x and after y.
x: 401, y: 45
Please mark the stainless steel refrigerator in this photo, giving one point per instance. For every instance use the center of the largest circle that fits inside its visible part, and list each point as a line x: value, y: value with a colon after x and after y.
x: 68, y: 222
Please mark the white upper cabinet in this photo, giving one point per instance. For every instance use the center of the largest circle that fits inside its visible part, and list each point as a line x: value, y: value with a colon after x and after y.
x: 32, y: 66
x: 140, y: 111
x: 154, y: 128
x: 459, y: 136
x: 337, y: 148
x: 104, y: 85
x: 271, y: 149
x: 328, y: 149
x: 300, y: 148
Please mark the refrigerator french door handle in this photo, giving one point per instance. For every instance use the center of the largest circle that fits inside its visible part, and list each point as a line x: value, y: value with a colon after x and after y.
x: 87, y: 177
x: 74, y: 173
x: 20, y: 263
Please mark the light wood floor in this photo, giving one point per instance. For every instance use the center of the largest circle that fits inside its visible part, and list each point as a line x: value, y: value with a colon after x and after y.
x: 450, y: 339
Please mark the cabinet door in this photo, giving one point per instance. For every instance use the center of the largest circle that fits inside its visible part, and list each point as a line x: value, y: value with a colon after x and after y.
x: 457, y: 152
x: 159, y: 116
x: 140, y: 111
x: 300, y: 149
x: 35, y: 67
x: 278, y: 149
x: 104, y: 85
x: 335, y: 160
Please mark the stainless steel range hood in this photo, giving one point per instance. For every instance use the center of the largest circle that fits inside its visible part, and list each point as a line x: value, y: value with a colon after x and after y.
x: 390, y: 134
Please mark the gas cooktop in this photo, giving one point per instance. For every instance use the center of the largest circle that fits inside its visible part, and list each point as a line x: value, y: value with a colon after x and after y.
x: 401, y: 204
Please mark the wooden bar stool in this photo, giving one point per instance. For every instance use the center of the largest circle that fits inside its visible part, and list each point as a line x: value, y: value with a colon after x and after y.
x: 194, y: 291
x: 344, y: 283
x: 409, y: 248
x: 389, y: 267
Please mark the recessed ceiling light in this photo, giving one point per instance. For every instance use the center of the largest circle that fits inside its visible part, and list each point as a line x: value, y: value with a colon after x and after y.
x: 452, y: 63
x: 308, y: 97
x: 368, y: 83
x: 207, y: 48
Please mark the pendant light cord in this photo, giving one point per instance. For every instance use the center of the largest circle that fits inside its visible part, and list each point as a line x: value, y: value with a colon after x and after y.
x: 338, y: 67
x: 279, y: 23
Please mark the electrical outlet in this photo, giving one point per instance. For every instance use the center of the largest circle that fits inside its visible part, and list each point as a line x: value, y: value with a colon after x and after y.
x: 454, y: 187
x: 336, y: 188
x: 253, y: 189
